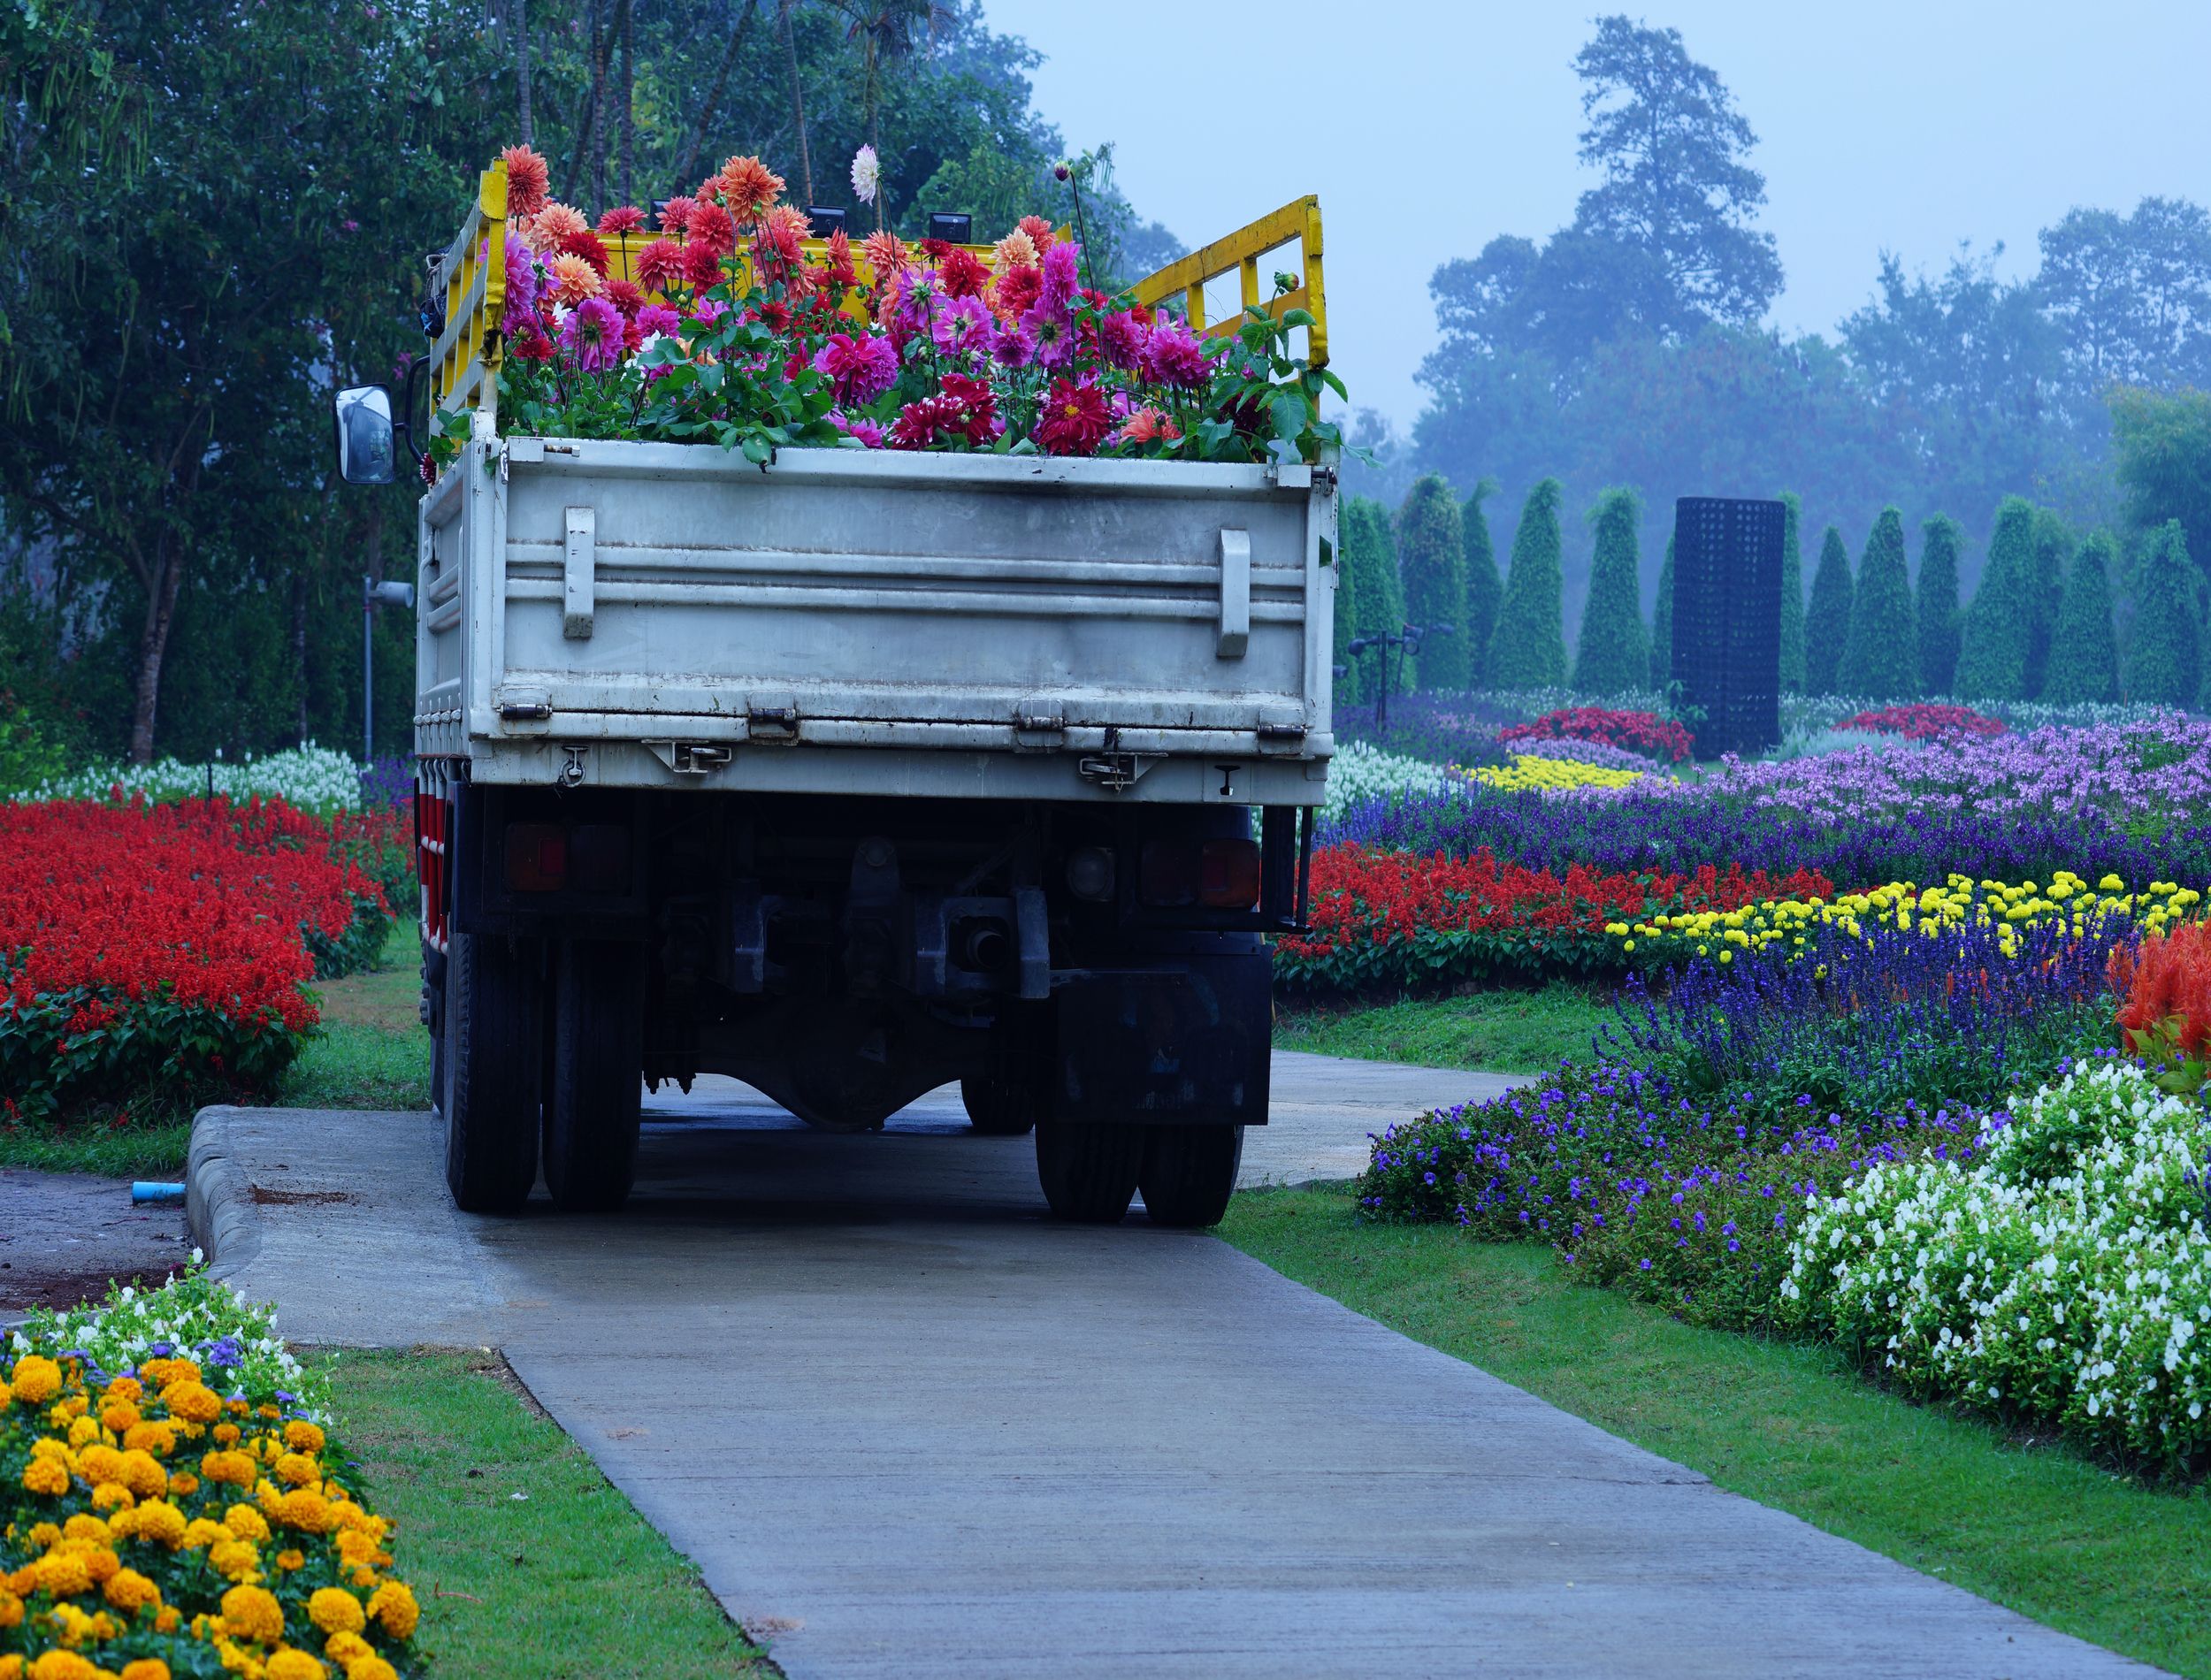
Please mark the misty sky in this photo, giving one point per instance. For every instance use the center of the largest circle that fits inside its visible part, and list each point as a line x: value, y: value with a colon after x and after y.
x: 1427, y: 128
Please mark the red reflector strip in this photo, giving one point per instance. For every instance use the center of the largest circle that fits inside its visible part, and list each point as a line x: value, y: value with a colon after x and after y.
x: 1229, y: 871
x: 537, y: 856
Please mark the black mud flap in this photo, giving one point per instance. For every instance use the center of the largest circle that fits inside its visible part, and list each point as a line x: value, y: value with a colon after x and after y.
x: 1185, y: 1042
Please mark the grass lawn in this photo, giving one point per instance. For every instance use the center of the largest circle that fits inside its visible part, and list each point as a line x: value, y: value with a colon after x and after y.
x: 371, y: 1051
x: 2032, y: 1525
x: 1511, y: 1032
x: 569, y: 1581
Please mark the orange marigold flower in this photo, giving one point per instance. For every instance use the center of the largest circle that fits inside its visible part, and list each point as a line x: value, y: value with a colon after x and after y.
x: 335, y: 1610
x: 233, y: 1560
x: 36, y: 1380
x: 528, y: 181
x: 229, y: 1466
x: 305, y: 1509
x: 130, y: 1591
x: 118, y: 1415
x: 748, y: 186
x: 159, y: 1521
x: 142, y: 1473
x: 299, y: 1469
x: 155, y: 1437
x: 253, y: 1613
x: 195, y: 1402
x: 392, y: 1607
x: 146, y: 1668
x: 45, y: 1476
x: 291, y: 1664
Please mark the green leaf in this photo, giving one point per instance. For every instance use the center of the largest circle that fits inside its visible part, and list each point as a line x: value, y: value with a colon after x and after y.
x: 1290, y: 415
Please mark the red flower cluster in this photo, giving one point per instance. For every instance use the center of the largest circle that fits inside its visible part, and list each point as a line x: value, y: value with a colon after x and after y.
x: 2165, y: 992
x: 1924, y: 722
x: 1633, y: 731
x: 150, y: 947
x: 1394, y: 917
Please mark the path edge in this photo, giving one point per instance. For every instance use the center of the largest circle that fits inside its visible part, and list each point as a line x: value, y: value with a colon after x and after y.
x: 218, y: 1209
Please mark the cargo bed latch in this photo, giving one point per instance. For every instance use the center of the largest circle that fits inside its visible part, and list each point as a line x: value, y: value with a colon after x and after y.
x: 772, y: 717
x: 1044, y: 729
x: 690, y: 758
x: 1116, y: 772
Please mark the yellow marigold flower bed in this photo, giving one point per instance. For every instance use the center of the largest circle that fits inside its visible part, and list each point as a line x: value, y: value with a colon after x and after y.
x: 1786, y: 926
x: 152, y: 1528
x: 1530, y: 773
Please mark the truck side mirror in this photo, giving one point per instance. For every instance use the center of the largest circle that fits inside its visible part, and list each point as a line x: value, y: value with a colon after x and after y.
x: 364, y: 435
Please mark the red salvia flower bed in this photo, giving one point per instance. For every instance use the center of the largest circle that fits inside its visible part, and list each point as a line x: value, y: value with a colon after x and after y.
x: 1633, y: 731
x: 1394, y: 919
x: 158, y: 951
x: 2165, y: 993
x: 1924, y: 722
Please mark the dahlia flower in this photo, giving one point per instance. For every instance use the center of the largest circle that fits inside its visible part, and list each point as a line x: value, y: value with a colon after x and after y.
x: 702, y: 265
x: 675, y: 214
x: 625, y: 296
x: 1075, y: 420
x: 921, y: 423
x: 1149, y: 425
x: 552, y: 224
x: 1173, y: 355
x: 748, y: 187
x: 713, y: 227
x: 1052, y: 330
x: 837, y: 260
x: 1015, y: 290
x: 587, y: 245
x: 1122, y: 338
x: 592, y: 335
x: 861, y: 367
x: 1015, y: 251
x: 1016, y: 346
x: 527, y: 180
x: 961, y: 273
x: 866, y: 174
x: 886, y: 254
x: 530, y: 343
x: 964, y: 324
x: 1060, y: 274
x: 857, y: 426
x: 658, y: 317
x: 573, y: 279
x: 978, y: 404
x: 1040, y: 231
x: 659, y: 264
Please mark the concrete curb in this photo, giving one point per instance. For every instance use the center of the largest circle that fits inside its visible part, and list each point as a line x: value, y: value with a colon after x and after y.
x: 218, y: 1209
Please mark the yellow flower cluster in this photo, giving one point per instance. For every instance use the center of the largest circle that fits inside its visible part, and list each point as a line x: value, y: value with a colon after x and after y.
x: 144, y: 1522
x: 1784, y: 925
x: 1528, y: 773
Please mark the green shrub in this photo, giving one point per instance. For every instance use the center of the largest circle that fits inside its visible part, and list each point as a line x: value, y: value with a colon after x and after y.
x: 1528, y: 648
x: 1792, y: 593
x: 1485, y: 590
x: 2164, y: 663
x: 1662, y: 624
x: 1614, y: 653
x: 2084, y: 654
x: 1350, y: 688
x: 2055, y: 541
x: 1880, y: 656
x: 1827, y: 619
x: 1371, y: 556
x: 1999, y: 627
x: 1940, y: 538
x: 1431, y: 563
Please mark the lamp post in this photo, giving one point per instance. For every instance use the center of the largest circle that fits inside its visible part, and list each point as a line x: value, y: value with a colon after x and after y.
x: 1393, y: 646
x: 374, y: 595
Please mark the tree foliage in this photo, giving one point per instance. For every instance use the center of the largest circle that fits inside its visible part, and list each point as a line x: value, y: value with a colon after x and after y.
x: 1827, y: 618
x: 1792, y: 593
x: 2084, y: 652
x: 1999, y: 627
x: 2164, y: 661
x: 1880, y: 654
x: 1662, y: 624
x: 1432, y: 563
x: 1613, y: 654
x: 1485, y: 592
x: 1938, y: 613
x: 2162, y: 446
x: 1528, y: 647
x: 1370, y: 556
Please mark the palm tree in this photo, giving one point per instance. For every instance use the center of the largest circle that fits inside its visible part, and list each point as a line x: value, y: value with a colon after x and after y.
x: 888, y: 30
x: 788, y: 8
x: 746, y: 10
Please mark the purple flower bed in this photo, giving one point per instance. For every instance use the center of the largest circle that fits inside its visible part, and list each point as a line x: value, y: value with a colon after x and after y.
x: 1600, y: 753
x: 1652, y: 826
x: 388, y: 784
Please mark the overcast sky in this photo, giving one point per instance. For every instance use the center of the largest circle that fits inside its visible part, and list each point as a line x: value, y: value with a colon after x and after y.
x: 1426, y: 129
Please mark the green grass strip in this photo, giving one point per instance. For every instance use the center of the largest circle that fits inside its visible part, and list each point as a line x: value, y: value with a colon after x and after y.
x: 2030, y: 1524
x: 567, y: 1583
x: 1509, y: 1032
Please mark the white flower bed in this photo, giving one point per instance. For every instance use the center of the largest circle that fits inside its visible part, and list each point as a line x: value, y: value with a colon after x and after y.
x: 314, y: 778
x: 1361, y: 771
x: 2065, y: 1276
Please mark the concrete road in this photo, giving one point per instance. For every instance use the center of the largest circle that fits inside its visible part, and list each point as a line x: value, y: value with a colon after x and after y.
x: 911, y: 1428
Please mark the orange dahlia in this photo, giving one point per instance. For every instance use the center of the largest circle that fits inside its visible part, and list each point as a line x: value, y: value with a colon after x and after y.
x: 748, y: 187
x: 527, y: 180
x: 573, y: 279
x: 554, y: 223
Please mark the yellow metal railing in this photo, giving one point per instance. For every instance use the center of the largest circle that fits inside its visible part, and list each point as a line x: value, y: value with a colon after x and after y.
x: 471, y: 277
x: 1239, y: 254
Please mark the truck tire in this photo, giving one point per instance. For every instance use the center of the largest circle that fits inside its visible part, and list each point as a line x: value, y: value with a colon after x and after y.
x: 591, y: 1111
x: 996, y: 1107
x: 1088, y: 1168
x: 494, y: 1010
x: 1190, y: 1173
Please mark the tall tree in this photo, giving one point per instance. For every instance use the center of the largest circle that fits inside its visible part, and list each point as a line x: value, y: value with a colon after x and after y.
x: 1792, y: 593
x: 2162, y: 443
x: 1484, y: 589
x: 1613, y: 654
x: 1827, y: 619
x: 1662, y: 624
x: 518, y: 21
x: 2133, y: 293
x: 1528, y: 647
x: 2054, y: 542
x: 1431, y: 560
x: 787, y: 8
x: 2164, y: 663
x: 1349, y: 620
x: 1379, y: 597
x: 2084, y: 654
x: 1999, y: 629
x: 1940, y: 539
x: 1880, y: 654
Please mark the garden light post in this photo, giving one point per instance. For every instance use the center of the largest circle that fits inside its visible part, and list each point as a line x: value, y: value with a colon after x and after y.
x: 1393, y: 646
x: 374, y: 595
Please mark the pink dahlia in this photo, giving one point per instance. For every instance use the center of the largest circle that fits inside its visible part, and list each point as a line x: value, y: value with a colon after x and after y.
x: 660, y: 264
x: 1122, y: 337
x: 527, y: 179
x: 965, y: 324
x: 622, y: 218
x: 675, y: 214
x: 857, y: 426
x: 1075, y: 419
x: 592, y: 335
x: 658, y: 317
x: 861, y: 366
x: 1173, y: 355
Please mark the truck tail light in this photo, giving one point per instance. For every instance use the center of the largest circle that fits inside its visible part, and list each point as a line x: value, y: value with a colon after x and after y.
x: 1222, y: 874
x: 537, y: 856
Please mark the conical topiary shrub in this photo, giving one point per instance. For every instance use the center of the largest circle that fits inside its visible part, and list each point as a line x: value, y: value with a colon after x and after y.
x: 1999, y: 627
x: 1881, y: 655
x: 1528, y: 648
x: 1939, y: 539
x: 1827, y: 619
x: 1431, y: 563
x: 1792, y: 594
x: 2083, y: 653
x: 1485, y: 592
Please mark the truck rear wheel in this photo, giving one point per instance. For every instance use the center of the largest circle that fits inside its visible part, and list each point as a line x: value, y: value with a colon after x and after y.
x: 493, y: 1010
x: 1088, y: 1168
x: 1190, y: 1173
x: 591, y: 1113
x: 997, y: 1107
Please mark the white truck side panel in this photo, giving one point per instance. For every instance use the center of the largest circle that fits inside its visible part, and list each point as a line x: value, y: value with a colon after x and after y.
x: 847, y: 621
